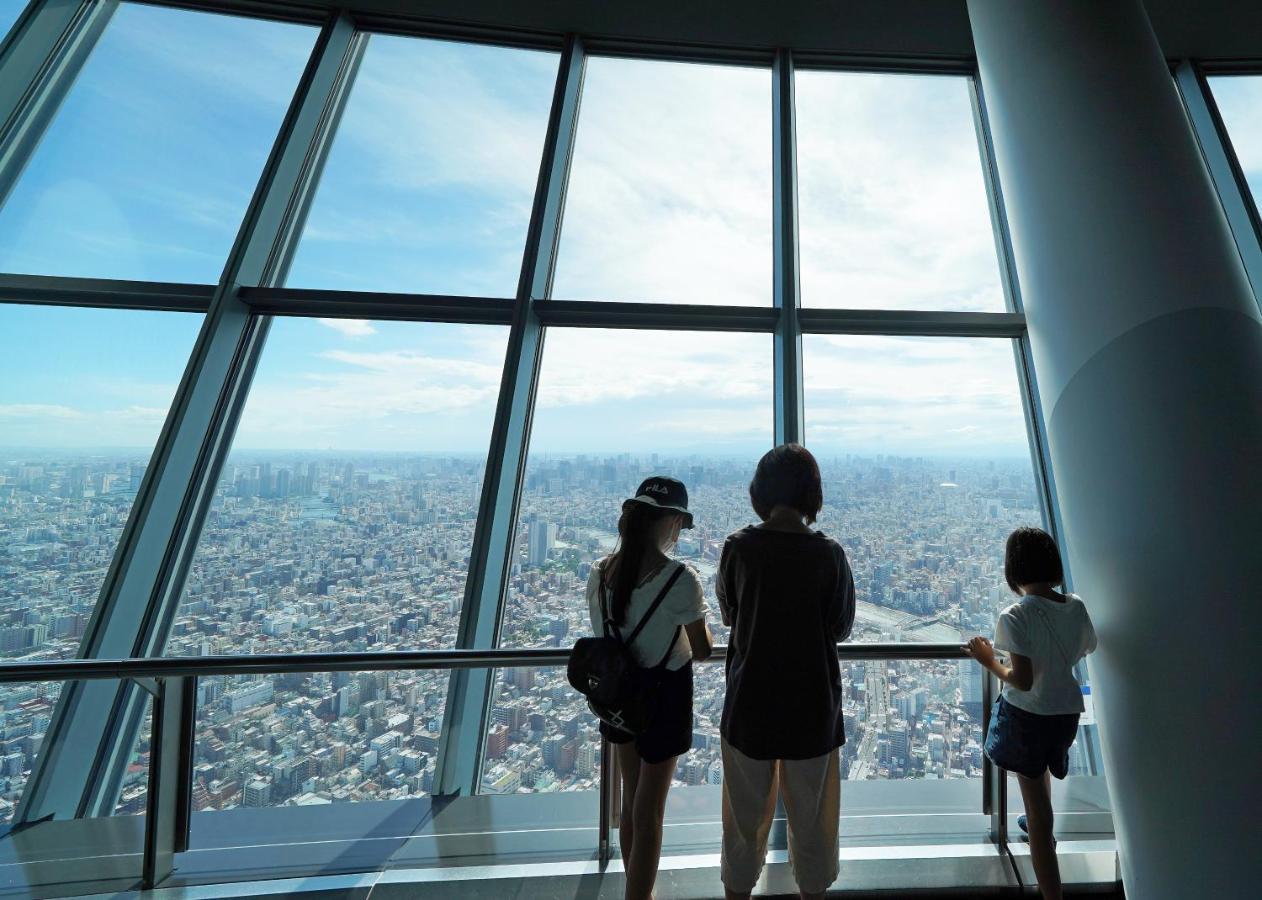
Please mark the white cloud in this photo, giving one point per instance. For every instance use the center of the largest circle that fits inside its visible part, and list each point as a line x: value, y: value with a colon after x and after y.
x: 37, y: 412
x: 439, y: 396
x: 349, y: 327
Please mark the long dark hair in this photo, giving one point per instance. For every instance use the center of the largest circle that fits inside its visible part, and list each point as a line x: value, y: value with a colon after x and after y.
x: 622, y: 569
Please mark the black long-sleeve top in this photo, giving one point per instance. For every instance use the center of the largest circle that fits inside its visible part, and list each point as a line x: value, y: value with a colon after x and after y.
x: 789, y: 598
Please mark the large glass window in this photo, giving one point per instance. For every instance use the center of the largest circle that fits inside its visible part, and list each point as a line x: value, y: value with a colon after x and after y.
x: 430, y: 179
x: 926, y: 465
x: 923, y: 449
x: 614, y: 407
x: 149, y: 164
x: 1239, y: 99
x: 83, y: 395
x: 892, y: 204
x: 669, y: 196
x: 342, y: 521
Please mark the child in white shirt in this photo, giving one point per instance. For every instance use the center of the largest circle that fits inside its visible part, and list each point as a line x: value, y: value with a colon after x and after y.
x: 1035, y: 719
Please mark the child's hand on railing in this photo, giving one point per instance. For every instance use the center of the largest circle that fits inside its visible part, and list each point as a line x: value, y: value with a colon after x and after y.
x: 981, y: 650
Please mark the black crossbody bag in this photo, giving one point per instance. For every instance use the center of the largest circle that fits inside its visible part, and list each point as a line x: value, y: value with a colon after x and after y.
x: 621, y: 692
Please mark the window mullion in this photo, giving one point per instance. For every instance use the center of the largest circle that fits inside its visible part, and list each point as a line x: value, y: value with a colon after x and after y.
x: 787, y: 338
x: 47, y: 50
x: 1224, y: 169
x: 469, y: 690
x: 142, y: 588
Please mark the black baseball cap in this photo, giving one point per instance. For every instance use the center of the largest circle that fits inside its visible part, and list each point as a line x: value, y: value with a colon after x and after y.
x: 663, y: 492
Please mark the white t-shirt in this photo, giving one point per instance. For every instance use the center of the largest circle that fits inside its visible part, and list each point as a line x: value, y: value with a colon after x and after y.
x: 1054, y: 636
x: 683, y: 604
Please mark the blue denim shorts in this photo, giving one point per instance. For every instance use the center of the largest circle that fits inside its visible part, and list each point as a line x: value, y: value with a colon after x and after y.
x: 1030, y: 744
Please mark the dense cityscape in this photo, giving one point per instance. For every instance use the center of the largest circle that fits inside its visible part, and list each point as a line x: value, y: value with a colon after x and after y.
x: 306, y: 552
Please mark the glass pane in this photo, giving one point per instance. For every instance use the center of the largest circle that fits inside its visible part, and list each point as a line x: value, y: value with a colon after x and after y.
x: 83, y: 395
x: 926, y: 465
x: 9, y: 12
x: 100, y: 853
x: 892, y: 205
x: 362, y: 736
x: 669, y: 198
x: 148, y: 166
x: 429, y: 183
x: 1239, y: 99
x: 612, y: 408
x: 342, y: 521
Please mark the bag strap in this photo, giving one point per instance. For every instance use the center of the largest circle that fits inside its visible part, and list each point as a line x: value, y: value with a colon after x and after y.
x: 661, y: 595
x: 669, y: 650
x: 605, y: 622
x: 1052, y: 631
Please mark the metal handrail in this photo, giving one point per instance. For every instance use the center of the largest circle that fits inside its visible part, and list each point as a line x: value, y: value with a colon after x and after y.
x: 173, y: 681
x: 382, y: 661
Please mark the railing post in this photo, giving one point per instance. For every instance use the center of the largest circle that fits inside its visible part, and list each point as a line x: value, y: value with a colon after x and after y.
x: 168, y: 803
x: 988, y: 775
x: 607, y: 776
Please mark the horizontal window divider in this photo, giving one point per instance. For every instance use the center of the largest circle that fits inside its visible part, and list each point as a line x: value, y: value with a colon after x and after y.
x: 675, y: 316
x: 881, y: 62
x: 53, y: 290
x: 376, y: 305
x: 911, y: 322
x: 668, y: 51
x: 311, y: 12
x: 386, y: 660
x: 466, y: 32
x: 1246, y: 66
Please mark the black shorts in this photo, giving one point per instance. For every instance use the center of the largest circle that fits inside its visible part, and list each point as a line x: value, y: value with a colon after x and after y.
x: 1028, y: 743
x: 670, y: 732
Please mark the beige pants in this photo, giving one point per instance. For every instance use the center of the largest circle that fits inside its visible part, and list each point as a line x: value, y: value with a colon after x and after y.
x: 811, y: 789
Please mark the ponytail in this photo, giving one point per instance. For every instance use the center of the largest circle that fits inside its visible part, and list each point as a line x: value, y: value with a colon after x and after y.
x: 622, y: 571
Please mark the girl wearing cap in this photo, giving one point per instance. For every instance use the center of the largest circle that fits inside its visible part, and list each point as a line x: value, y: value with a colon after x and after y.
x: 787, y: 593
x: 632, y: 577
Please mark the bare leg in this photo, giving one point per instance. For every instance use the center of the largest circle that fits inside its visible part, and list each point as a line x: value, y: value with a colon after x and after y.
x: 647, y: 812
x: 629, y: 767
x: 1037, y: 794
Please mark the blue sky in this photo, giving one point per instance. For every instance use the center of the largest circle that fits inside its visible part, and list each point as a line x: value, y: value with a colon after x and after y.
x: 1239, y: 99
x: 150, y: 163
x: 9, y: 12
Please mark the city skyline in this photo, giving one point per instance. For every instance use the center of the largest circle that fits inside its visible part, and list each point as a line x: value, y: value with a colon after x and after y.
x: 328, y: 552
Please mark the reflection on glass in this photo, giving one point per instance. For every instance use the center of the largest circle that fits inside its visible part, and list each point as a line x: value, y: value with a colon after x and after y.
x: 669, y: 197
x: 342, y: 521
x: 83, y: 394
x: 892, y: 205
x: 149, y: 164
x: 1239, y: 99
x: 612, y: 408
x: 926, y: 467
x: 429, y: 183
x: 9, y: 12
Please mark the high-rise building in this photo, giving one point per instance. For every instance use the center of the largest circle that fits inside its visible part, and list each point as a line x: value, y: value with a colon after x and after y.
x: 541, y: 537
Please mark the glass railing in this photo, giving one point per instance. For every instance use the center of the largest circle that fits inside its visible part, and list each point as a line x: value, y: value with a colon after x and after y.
x: 322, y: 730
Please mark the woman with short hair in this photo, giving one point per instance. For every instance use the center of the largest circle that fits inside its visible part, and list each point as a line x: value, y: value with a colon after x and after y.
x: 787, y: 592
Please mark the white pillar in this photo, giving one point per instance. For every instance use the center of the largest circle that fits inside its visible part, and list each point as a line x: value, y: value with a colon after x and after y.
x: 1147, y: 342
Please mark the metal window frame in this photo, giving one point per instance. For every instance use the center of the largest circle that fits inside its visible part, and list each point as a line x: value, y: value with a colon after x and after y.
x: 161, y: 536
x: 1238, y: 203
x: 142, y: 587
